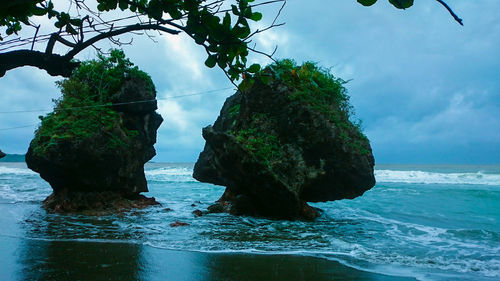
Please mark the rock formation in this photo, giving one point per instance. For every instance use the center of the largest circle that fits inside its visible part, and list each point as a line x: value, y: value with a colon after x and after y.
x: 2, y: 155
x: 93, y: 153
x: 285, y: 141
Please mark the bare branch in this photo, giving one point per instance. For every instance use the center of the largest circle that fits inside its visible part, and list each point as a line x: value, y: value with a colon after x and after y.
x: 80, y: 46
x: 52, y: 41
x: 458, y: 19
x: 34, y: 37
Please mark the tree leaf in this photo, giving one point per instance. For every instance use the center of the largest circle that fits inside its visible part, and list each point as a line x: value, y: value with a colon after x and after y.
x: 227, y: 21
x: 258, y: 16
x: 401, y: 4
x: 37, y: 11
x: 211, y: 61
x: 367, y: 2
x: 235, y: 10
x: 254, y: 68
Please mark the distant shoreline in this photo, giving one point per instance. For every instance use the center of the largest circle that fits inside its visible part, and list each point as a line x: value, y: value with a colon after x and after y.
x: 13, y: 158
x: 19, y: 158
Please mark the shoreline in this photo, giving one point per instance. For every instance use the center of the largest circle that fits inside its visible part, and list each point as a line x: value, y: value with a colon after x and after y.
x: 33, y: 259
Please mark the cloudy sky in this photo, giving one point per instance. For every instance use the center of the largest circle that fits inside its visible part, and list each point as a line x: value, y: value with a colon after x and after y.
x: 426, y: 89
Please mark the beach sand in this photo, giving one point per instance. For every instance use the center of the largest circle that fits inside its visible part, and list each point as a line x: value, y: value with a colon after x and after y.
x: 28, y: 259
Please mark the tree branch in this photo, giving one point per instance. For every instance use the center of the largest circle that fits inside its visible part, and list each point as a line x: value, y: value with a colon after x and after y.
x: 52, y: 41
x: 81, y: 46
x: 459, y: 20
x: 54, y: 64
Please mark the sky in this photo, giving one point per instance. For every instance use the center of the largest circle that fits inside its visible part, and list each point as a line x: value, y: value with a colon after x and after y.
x: 426, y: 89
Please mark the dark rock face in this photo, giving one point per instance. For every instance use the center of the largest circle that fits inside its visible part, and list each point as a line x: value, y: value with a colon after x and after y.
x: 2, y: 155
x: 274, y: 154
x: 90, y: 165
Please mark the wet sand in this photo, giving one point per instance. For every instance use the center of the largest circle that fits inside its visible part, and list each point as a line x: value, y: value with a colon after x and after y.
x: 26, y: 259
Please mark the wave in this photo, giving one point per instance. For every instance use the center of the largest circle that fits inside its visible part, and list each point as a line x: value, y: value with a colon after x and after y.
x: 15, y: 171
x: 170, y: 174
x: 420, y: 177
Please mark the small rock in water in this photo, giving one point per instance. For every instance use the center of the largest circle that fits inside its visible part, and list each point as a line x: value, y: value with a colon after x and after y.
x: 198, y: 213
x: 179, y: 223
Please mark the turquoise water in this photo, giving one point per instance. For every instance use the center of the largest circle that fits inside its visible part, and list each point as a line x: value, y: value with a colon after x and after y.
x: 422, y: 221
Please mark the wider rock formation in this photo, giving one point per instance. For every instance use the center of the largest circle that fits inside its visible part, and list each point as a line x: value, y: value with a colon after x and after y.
x: 91, y: 153
x: 285, y: 141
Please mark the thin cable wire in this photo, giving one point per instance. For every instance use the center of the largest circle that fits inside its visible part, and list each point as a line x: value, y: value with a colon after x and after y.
x: 104, y: 105
x: 120, y: 103
x: 18, y: 127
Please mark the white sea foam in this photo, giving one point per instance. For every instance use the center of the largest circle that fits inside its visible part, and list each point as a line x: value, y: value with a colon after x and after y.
x: 15, y: 171
x: 420, y: 177
x: 172, y: 174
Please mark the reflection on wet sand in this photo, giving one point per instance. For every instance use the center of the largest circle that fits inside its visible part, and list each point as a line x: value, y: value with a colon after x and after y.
x: 74, y: 260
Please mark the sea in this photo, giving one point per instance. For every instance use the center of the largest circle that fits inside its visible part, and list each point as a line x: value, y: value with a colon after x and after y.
x: 427, y: 222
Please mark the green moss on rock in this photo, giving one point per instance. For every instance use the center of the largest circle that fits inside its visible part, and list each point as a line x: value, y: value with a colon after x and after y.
x: 85, y: 108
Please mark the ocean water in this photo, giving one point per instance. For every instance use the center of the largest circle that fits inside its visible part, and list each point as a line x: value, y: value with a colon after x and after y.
x: 430, y: 222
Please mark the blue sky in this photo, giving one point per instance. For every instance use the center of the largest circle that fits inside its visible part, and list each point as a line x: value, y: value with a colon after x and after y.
x: 426, y: 89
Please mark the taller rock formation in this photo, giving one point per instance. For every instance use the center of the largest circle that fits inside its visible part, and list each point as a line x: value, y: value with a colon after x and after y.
x: 285, y: 141
x: 93, y: 147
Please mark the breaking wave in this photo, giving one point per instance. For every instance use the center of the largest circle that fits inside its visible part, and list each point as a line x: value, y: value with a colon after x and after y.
x: 421, y: 177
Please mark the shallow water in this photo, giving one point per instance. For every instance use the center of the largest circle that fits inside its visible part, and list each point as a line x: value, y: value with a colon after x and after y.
x: 427, y: 222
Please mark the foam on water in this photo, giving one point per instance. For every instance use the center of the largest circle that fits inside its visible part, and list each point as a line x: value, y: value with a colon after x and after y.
x: 421, y: 177
x: 382, y: 231
x: 15, y: 171
x: 170, y: 174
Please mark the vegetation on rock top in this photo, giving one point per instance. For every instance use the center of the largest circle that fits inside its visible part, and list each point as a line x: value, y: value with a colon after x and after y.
x: 312, y: 86
x: 85, y: 110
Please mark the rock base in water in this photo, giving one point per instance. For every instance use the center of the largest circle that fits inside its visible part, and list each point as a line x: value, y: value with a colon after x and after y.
x: 93, y: 155
x: 286, y: 140
x: 2, y: 155
x: 238, y: 204
x: 96, y: 202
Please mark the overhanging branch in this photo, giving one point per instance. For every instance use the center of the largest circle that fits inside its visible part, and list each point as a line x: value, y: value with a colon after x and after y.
x: 54, y: 64
x: 81, y: 46
x: 458, y: 19
x: 57, y: 65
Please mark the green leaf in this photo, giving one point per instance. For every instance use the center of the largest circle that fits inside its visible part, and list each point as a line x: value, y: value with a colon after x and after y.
x: 254, y: 68
x: 246, y: 84
x: 401, y: 4
x: 211, y: 61
x: 227, y: 21
x: 37, y: 11
x: 235, y: 10
x: 265, y: 79
x: 258, y: 16
x: 175, y: 14
x: 101, y: 7
x: 59, y: 24
x: 199, y: 39
x: 367, y: 2
x: 123, y: 5
x: 76, y: 22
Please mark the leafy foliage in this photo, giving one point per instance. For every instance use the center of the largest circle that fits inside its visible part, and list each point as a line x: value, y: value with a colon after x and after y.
x: 400, y: 4
x: 223, y: 30
x: 84, y: 110
x: 318, y: 89
x: 223, y: 34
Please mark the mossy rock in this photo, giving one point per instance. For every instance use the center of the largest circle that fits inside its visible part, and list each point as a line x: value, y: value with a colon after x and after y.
x: 287, y: 138
x: 102, y: 129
